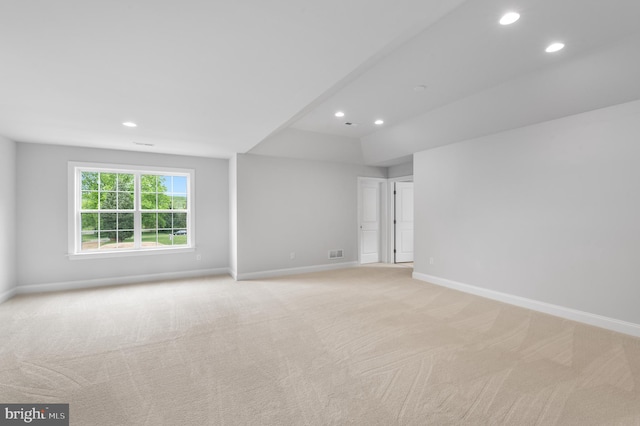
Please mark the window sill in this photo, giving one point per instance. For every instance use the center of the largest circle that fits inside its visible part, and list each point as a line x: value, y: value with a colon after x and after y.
x: 128, y: 253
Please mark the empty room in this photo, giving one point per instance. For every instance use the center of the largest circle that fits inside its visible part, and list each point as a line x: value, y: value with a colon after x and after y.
x: 320, y: 212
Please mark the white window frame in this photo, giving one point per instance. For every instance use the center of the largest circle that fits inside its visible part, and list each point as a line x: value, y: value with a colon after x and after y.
x: 75, y: 170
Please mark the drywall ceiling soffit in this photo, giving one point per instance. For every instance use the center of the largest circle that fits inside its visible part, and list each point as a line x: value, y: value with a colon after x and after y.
x: 199, y: 78
x: 467, y: 55
x: 597, y: 80
x: 302, y: 144
x: 396, y: 161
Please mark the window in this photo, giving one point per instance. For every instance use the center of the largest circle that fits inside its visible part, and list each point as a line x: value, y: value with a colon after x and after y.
x: 128, y: 209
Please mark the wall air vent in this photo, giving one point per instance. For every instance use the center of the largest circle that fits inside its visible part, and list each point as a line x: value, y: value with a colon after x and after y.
x: 348, y: 123
x: 336, y: 254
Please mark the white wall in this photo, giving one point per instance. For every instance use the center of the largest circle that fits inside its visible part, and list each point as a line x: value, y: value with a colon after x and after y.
x: 8, y: 218
x: 400, y: 170
x: 233, y: 215
x: 42, y: 223
x: 301, y: 206
x: 549, y: 212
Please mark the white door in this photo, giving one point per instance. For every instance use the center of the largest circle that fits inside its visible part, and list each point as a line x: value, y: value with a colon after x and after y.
x: 369, y: 221
x: 404, y: 222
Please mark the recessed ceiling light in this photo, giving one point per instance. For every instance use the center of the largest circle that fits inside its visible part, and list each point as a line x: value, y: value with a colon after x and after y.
x: 339, y: 114
x: 378, y: 122
x: 554, y: 47
x: 509, y: 18
x: 129, y: 124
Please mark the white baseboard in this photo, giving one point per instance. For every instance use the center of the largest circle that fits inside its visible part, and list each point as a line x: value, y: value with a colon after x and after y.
x: 547, y: 308
x: 6, y: 295
x: 102, y: 282
x: 293, y: 271
x: 233, y: 274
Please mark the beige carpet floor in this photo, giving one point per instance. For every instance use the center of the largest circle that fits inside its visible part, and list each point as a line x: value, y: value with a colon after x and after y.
x: 366, y: 346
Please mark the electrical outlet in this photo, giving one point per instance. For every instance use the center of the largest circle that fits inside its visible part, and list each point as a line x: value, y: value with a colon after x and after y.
x: 431, y: 261
x: 198, y: 257
x: 292, y: 255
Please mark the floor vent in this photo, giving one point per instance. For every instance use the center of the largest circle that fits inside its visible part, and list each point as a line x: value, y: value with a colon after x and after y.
x: 336, y: 254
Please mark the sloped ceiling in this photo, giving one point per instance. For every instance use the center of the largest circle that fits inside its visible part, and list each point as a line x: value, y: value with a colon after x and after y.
x: 480, y: 77
x: 204, y: 77
x: 214, y: 78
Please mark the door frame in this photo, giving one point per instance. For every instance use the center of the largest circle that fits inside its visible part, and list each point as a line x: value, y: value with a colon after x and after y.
x: 387, y: 209
x: 383, y: 185
x: 390, y: 229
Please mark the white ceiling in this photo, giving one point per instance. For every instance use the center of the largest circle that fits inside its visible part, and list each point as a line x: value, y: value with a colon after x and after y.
x: 212, y: 78
x: 199, y: 77
x: 467, y: 52
x: 482, y: 77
